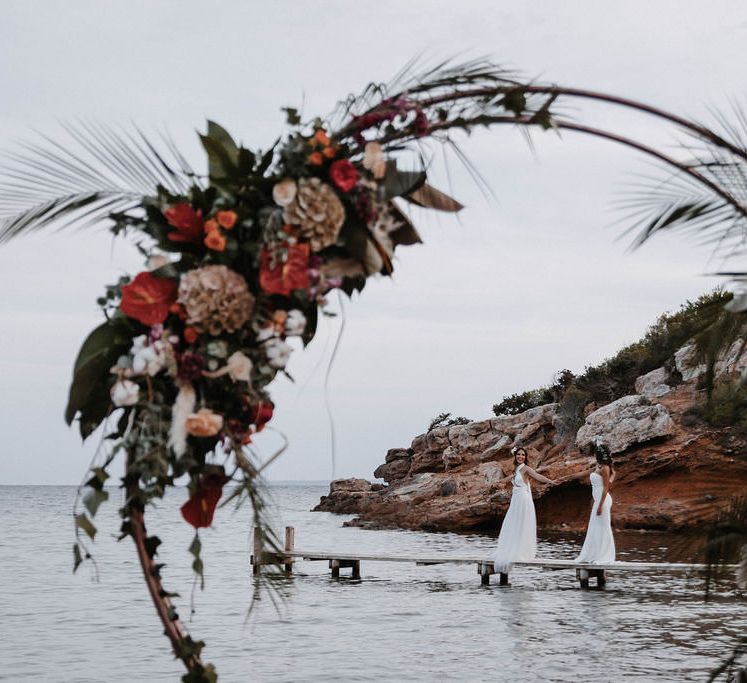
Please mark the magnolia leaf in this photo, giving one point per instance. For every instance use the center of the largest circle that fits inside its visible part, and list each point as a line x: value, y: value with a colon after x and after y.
x: 399, y: 183
x: 224, y: 139
x: 93, y: 499
x: 89, y: 394
x: 406, y: 234
x: 431, y: 198
x: 82, y: 522
x: 151, y: 545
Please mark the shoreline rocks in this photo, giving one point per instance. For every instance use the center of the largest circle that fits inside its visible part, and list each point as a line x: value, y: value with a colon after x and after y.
x: 670, y: 473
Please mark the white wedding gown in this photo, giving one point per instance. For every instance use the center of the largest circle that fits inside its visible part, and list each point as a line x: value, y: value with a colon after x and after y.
x: 518, y: 538
x: 599, y: 544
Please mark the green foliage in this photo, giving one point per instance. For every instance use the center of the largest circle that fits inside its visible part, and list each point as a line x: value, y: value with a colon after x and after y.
x: 616, y: 376
x: 571, y: 411
x: 726, y: 406
x: 445, y: 420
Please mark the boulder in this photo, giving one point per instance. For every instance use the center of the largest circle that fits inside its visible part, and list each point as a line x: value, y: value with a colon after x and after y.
x: 498, y: 449
x: 686, y: 363
x: 427, y: 461
x: 653, y: 384
x: 393, y: 471
x: 734, y: 360
x: 625, y: 422
x: 491, y: 472
x: 451, y: 458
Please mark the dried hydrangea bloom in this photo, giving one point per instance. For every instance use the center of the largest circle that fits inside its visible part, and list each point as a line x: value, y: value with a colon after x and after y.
x: 317, y: 211
x: 215, y: 299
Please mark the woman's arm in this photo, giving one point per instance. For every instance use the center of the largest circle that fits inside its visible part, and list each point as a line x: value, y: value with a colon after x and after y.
x: 535, y: 475
x: 606, y: 477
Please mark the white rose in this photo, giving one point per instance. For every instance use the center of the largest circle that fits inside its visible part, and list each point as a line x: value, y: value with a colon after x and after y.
x: 124, y: 393
x: 295, y: 323
x: 277, y: 352
x: 266, y: 333
x: 284, y: 192
x: 239, y: 367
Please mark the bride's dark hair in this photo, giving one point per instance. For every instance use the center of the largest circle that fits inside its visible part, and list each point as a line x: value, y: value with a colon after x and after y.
x: 603, y: 456
x: 515, y: 451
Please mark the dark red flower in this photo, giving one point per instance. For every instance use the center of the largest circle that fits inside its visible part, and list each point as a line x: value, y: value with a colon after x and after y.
x: 283, y: 278
x: 189, y: 366
x: 187, y: 221
x: 148, y: 298
x: 200, y: 508
x: 262, y: 414
x: 343, y: 174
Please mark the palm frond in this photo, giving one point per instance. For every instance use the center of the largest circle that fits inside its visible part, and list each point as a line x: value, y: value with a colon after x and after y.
x: 96, y: 171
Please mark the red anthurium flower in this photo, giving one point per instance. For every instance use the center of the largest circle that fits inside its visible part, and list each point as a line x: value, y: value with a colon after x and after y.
x: 148, y: 299
x: 343, y: 175
x: 285, y: 277
x: 187, y: 221
x: 200, y: 508
x: 262, y: 414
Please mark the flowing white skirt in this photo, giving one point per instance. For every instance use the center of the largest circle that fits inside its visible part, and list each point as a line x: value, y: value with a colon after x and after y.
x: 599, y: 544
x: 518, y: 538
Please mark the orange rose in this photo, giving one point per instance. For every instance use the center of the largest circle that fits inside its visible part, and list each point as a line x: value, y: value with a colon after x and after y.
x: 227, y: 219
x: 190, y: 335
x: 316, y: 159
x: 215, y: 241
x: 204, y: 423
x: 321, y: 137
x: 211, y: 225
x: 329, y: 152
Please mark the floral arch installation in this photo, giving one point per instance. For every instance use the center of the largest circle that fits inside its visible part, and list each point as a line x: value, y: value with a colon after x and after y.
x: 244, y: 257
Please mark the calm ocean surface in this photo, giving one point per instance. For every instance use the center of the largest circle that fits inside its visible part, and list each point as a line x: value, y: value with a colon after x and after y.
x: 400, y: 623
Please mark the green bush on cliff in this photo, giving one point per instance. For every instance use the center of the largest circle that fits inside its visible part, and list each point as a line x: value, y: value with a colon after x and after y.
x: 615, y: 377
x: 727, y: 406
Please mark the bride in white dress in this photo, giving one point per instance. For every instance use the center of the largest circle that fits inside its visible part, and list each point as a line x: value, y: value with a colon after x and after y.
x: 599, y: 544
x: 518, y: 538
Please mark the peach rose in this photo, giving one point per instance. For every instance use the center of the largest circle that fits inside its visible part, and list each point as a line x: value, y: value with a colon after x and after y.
x: 374, y: 159
x: 204, y: 423
x: 239, y: 367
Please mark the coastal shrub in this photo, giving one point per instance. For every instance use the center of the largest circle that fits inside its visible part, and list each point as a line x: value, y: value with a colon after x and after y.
x: 727, y: 406
x: 445, y: 420
x: 570, y: 414
x: 615, y: 377
x: 518, y: 403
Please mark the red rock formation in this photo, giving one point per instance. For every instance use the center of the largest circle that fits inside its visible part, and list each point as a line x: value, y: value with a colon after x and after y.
x: 670, y: 474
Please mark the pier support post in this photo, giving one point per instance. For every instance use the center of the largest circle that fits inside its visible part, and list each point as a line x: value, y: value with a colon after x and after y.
x: 356, y: 569
x: 601, y: 578
x: 334, y: 565
x: 290, y: 540
x: 484, y: 569
x: 258, y: 550
x: 503, y: 579
x: 583, y: 577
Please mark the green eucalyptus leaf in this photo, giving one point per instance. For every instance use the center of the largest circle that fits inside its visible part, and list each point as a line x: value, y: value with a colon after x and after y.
x: 82, y: 522
x: 77, y: 558
x: 93, y: 499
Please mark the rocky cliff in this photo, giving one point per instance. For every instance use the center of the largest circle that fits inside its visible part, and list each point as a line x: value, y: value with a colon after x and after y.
x: 672, y: 471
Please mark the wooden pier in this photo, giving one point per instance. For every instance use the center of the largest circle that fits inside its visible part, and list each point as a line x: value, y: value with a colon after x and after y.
x: 289, y: 555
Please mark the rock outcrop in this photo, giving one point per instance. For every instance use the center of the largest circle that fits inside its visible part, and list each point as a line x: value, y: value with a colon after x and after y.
x: 670, y: 472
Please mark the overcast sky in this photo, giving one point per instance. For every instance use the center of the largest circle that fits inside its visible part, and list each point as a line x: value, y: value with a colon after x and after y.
x: 494, y: 302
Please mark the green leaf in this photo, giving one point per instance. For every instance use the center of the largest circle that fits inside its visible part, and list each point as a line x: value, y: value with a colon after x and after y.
x: 93, y: 499
x: 291, y: 116
x: 197, y: 565
x: 430, y: 198
x: 224, y: 139
x: 151, y: 545
x: 77, y: 558
x: 82, y: 522
x: 398, y: 183
x: 91, y: 372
